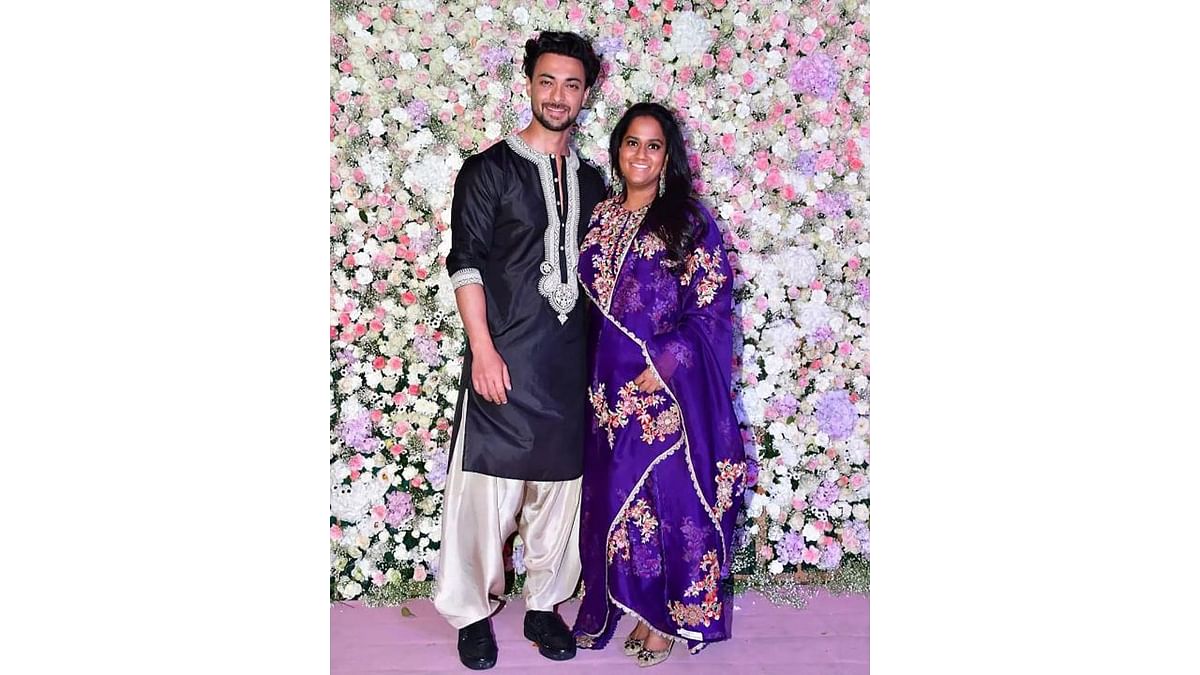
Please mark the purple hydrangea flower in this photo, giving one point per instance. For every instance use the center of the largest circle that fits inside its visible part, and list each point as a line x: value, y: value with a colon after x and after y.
x: 863, y: 288
x: 815, y: 74
x: 836, y: 414
x: 860, y: 532
x: 824, y: 496
x: 806, y: 163
x: 493, y: 57
x: 831, y: 557
x: 435, y: 470
x: 822, y: 333
x: 355, y: 432
x: 790, y: 548
x: 609, y: 45
x: 833, y: 203
x: 427, y: 349
x: 418, y: 110
x: 786, y: 405
x: 399, y: 508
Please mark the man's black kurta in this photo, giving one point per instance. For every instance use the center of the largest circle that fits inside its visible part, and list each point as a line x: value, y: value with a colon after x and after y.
x: 511, y: 233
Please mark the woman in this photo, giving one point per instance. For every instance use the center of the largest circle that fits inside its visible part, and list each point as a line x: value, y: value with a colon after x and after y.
x: 663, y: 459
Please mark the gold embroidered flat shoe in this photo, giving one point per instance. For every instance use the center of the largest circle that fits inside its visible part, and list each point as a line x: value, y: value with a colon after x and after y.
x: 633, y: 646
x: 647, y: 658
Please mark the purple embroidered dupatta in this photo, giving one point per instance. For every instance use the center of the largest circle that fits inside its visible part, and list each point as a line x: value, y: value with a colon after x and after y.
x: 662, y: 472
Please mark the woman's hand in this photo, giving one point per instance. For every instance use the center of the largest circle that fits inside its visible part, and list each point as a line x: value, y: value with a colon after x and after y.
x: 648, y: 381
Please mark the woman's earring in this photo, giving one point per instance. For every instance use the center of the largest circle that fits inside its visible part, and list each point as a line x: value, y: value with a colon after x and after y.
x: 662, y: 182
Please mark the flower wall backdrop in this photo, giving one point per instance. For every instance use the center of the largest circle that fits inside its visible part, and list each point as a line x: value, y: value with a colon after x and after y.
x: 774, y: 99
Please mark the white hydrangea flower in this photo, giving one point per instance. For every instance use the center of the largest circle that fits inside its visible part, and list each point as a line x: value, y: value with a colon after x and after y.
x: 814, y: 315
x: 430, y: 176
x: 377, y: 164
x: 691, y: 34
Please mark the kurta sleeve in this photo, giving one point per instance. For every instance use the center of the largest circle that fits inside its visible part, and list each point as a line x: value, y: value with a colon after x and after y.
x: 702, y: 339
x: 472, y: 217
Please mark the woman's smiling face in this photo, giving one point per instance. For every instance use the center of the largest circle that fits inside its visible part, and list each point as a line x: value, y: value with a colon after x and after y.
x: 643, y: 152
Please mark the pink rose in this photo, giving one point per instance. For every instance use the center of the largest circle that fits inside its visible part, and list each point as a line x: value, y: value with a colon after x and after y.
x: 335, y: 532
x: 419, y: 573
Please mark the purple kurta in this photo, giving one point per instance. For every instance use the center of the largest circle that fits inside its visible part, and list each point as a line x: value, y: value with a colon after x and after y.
x: 662, y: 472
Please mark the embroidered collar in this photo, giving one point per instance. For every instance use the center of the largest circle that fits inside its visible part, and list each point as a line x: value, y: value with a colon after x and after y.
x: 559, y: 289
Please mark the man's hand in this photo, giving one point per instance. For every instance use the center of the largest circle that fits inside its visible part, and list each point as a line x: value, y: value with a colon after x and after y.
x: 489, y: 374
x: 648, y: 381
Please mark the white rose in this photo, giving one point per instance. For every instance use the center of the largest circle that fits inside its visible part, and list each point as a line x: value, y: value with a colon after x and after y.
x: 796, y: 522
x: 775, y: 567
x: 861, y: 512
x: 773, y: 514
x: 408, y: 61
x: 521, y: 16
x: 810, y: 24
x: 484, y: 13
x: 375, y: 127
x: 350, y: 590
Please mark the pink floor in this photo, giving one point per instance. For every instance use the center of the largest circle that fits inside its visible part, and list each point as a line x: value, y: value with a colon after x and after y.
x: 830, y: 636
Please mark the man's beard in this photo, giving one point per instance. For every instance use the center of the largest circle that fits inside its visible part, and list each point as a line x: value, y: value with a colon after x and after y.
x: 552, y: 126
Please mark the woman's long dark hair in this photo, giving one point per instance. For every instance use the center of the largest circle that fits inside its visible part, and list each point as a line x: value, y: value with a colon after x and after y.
x: 675, y: 214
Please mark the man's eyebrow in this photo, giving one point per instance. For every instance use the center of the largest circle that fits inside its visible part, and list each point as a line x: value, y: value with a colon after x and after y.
x: 569, y: 79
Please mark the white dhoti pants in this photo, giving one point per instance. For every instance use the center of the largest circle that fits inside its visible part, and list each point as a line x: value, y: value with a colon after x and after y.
x: 479, y: 514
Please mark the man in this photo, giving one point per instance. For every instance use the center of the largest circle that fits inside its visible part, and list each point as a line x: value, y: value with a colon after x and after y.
x: 519, y: 213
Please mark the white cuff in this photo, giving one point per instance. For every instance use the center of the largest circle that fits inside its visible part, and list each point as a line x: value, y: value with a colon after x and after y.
x: 466, y: 276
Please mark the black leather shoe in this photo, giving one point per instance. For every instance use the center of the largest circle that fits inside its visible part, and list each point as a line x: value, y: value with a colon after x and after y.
x: 477, y: 645
x: 551, y: 634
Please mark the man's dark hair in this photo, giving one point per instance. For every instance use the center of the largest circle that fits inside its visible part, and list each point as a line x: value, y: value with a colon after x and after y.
x: 567, y: 44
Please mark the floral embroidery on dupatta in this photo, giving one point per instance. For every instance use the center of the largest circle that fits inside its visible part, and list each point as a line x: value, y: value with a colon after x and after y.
x: 607, y: 242
x: 635, y: 403
x: 706, y: 289
x: 640, y: 514
x: 709, y: 608
x: 647, y: 245
x: 728, y: 474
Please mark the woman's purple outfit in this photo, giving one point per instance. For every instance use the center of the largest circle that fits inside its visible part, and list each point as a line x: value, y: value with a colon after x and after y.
x: 662, y: 472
